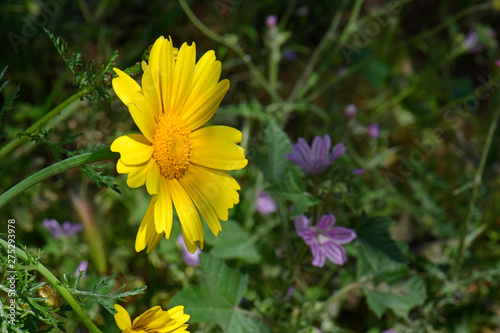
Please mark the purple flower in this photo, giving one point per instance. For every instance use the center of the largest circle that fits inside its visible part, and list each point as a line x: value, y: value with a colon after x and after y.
x: 497, y: 62
x: 471, y: 44
x: 289, y: 55
x: 350, y: 111
x: 358, y: 171
x: 373, y: 130
x: 316, y: 158
x: 58, y: 231
x: 265, y: 203
x: 325, y: 240
x: 81, y: 267
x: 271, y: 21
x: 289, y: 293
x: 190, y: 259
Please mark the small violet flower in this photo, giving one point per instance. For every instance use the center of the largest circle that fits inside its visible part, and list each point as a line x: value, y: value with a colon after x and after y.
x: 190, y: 259
x: 373, y: 130
x: 350, y: 111
x: 497, y: 62
x: 64, y: 230
x: 265, y: 203
x: 325, y: 240
x: 358, y: 171
x: 81, y: 267
x: 271, y: 21
x: 316, y: 158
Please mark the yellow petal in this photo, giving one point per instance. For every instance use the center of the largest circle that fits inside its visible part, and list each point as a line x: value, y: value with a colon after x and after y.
x: 206, y: 75
x: 147, y: 235
x: 124, y: 86
x: 183, y: 76
x: 146, y: 123
x: 163, y: 209
x: 143, y: 320
x: 201, y: 109
x: 218, y: 155
x: 216, y: 133
x: 150, y: 91
x: 219, y: 187
x: 202, y: 204
x: 167, y: 66
x: 133, y: 148
x: 189, y: 216
x: 137, y: 176
x: 122, y: 318
x: 153, y: 179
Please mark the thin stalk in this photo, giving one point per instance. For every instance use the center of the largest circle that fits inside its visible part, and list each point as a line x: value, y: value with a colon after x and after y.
x: 59, y: 287
x: 231, y: 42
x: 464, y: 228
x: 42, y: 121
x: 54, y: 169
x: 327, y: 39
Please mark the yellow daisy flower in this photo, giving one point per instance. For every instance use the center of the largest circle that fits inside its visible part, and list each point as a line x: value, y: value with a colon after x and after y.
x: 182, y: 162
x: 155, y: 320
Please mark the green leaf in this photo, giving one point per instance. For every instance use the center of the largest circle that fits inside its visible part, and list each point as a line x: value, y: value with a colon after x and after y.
x: 400, y: 297
x: 292, y: 188
x: 232, y: 243
x: 373, y: 234
x: 273, y: 162
x: 216, y: 299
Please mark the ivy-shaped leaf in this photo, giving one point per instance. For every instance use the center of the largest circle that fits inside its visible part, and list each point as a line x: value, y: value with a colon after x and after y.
x: 216, y: 299
x: 373, y: 234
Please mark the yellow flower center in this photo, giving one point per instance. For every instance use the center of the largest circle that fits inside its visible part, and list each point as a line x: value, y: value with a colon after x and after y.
x: 172, y: 149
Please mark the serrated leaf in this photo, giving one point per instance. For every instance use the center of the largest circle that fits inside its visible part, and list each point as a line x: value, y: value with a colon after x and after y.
x: 380, y: 269
x: 273, y: 163
x: 400, y: 297
x: 292, y: 188
x: 216, y: 299
x: 373, y: 234
x: 232, y: 243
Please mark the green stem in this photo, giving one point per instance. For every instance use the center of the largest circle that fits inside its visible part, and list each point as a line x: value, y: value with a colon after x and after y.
x: 298, y: 89
x: 231, y: 42
x: 42, y: 121
x: 58, y: 286
x: 464, y: 228
x: 50, y: 171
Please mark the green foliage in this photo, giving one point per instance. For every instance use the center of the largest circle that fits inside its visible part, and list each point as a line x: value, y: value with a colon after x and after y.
x: 87, y: 73
x: 216, y: 298
x: 233, y: 242
x: 294, y: 189
x: 105, y: 298
x: 8, y: 103
x: 271, y: 159
x: 373, y: 234
x: 29, y: 306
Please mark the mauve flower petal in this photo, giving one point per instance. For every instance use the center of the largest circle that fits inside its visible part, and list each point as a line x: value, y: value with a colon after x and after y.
x: 53, y: 227
x: 326, y: 222
x: 69, y: 228
x: 318, y: 256
x: 334, y: 252
x: 341, y: 235
x: 300, y: 156
x: 81, y: 267
x: 320, y: 148
x: 265, y: 203
x: 307, y: 235
x: 301, y: 222
x: 190, y: 259
x: 338, y: 150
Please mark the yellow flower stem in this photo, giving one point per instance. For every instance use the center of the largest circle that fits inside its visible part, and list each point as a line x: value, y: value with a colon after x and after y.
x: 59, y: 287
x: 231, y: 42
x: 42, y: 121
x: 54, y: 169
x: 133, y: 70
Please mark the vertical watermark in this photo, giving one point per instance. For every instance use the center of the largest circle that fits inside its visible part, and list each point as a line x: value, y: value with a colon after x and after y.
x: 11, y: 273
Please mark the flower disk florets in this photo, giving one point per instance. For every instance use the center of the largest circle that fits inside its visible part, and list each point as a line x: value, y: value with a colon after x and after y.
x: 172, y: 149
